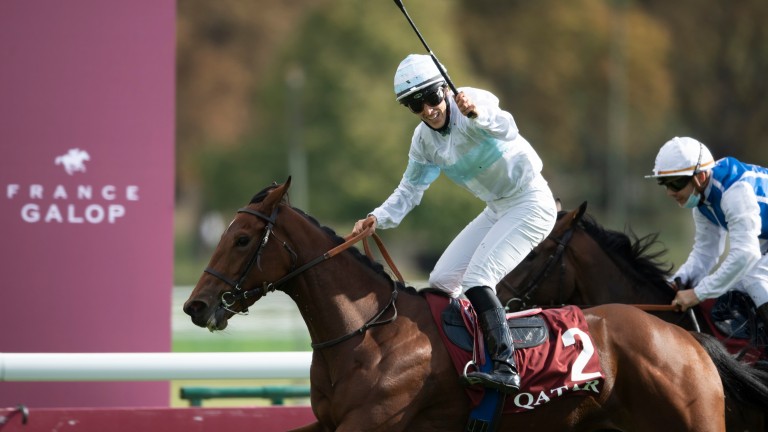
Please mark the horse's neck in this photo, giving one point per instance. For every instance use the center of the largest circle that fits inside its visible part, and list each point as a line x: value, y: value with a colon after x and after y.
x: 601, y: 279
x: 339, y: 296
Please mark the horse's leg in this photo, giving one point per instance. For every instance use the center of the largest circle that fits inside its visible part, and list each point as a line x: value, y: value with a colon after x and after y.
x: 664, y: 379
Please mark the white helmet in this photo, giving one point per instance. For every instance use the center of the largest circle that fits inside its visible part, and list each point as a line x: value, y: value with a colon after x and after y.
x: 416, y: 72
x: 682, y: 156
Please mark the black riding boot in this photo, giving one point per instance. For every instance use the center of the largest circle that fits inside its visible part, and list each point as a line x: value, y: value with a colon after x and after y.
x: 493, y: 321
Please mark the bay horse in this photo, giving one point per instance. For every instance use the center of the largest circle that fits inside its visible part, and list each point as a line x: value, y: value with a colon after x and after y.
x: 379, y: 363
x: 583, y: 263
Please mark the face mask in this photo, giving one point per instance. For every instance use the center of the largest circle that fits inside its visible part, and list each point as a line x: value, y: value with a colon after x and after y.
x: 693, y: 200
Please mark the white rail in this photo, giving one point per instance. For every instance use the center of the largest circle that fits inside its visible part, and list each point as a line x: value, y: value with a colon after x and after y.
x: 152, y: 366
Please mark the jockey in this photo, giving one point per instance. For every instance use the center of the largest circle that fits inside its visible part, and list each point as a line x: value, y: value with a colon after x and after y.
x: 487, y: 156
x: 726, y: 196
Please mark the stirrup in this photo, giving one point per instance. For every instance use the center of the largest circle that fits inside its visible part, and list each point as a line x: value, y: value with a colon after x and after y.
x: 466, y: 366
x: 486, y: 379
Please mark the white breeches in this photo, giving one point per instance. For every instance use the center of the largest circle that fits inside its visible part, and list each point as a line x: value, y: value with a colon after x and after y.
x: 496, y: 241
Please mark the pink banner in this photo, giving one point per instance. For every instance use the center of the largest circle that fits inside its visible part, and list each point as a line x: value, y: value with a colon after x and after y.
x: 86, y: 144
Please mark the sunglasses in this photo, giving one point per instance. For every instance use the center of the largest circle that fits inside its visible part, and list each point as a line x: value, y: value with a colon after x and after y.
x: 676, y: 184
x: 416, y: 101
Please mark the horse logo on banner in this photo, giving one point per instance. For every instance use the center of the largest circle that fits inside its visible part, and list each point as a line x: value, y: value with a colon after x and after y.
x: 73, y: 161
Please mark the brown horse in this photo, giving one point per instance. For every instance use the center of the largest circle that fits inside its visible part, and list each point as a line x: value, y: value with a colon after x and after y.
x: 582, y: 263
x: 379, y: 362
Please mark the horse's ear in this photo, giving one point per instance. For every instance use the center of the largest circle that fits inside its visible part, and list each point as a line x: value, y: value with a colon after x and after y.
x: 275, y: 196
x: 582, y: 209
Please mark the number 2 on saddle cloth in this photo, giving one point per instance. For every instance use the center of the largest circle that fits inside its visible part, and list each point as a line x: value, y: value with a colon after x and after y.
x: 554, y: 352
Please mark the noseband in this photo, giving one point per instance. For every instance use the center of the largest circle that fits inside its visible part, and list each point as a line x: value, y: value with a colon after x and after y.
x: 557, y: 256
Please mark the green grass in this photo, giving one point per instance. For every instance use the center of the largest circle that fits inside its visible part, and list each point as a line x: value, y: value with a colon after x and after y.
x: 239, y: 345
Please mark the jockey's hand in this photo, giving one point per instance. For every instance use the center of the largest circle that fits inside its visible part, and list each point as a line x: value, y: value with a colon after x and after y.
x: 362, y: 224
x: 685, y: 299
x: 465, y: 104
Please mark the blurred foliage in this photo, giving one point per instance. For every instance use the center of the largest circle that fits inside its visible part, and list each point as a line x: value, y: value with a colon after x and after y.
x: 304, y: 88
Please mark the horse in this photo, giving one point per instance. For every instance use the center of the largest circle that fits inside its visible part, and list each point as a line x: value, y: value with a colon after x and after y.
x: 73, y: 160
x: 583, y: 263
x: 379, y: 362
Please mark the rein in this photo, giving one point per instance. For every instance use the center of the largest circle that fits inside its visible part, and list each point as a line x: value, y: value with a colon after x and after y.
x: 373, y: 322
x: 229, y: 298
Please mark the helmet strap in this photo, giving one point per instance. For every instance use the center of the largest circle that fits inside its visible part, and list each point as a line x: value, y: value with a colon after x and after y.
x: 700, y: 186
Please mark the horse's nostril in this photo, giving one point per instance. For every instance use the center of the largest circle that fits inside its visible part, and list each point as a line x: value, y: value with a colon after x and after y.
x: 194, y: 307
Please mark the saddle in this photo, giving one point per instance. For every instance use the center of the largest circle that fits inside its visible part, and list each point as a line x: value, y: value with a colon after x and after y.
x: 733, y: 321
x: 733, y: 314
x: 528, y: 328
x: 546, y: 351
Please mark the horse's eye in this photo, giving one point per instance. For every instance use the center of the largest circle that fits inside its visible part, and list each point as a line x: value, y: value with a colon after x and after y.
x: 242, y: 241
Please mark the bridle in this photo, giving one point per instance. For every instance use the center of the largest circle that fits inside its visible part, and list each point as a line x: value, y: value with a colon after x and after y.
x: 229, y: 298
x: 544, y: 272
x: 557, y: 256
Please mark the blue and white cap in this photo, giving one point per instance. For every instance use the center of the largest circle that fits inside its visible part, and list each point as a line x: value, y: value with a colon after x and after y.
x: 416, y: 72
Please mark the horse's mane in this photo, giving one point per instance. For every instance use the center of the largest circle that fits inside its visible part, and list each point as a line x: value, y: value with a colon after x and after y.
x: 632, y: 251
x: 376, y: 266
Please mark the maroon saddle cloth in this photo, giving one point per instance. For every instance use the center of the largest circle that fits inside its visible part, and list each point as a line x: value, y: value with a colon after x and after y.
x: 554, y: 353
